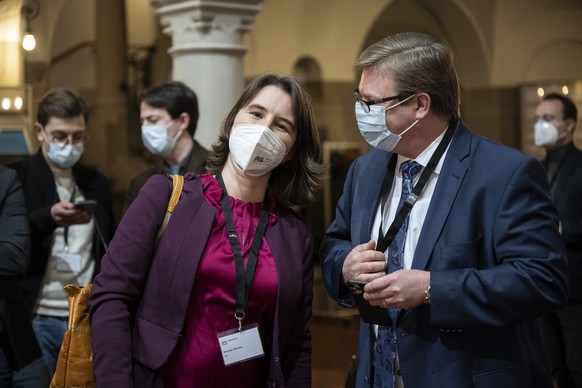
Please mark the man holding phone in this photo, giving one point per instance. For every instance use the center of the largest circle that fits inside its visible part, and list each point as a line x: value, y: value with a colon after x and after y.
x: 71, y: 220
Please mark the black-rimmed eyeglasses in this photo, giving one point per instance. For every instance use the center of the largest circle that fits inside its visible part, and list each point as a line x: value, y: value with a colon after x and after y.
x: 366, y: 104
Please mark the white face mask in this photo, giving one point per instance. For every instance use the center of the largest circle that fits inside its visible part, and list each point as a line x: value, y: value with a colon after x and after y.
x: 255, y: 149
x: 546, y: 134
x: 373, y: 126
x: 155, y: 139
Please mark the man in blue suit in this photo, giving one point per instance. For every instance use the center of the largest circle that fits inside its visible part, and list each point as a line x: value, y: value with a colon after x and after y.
x: 478, y: 258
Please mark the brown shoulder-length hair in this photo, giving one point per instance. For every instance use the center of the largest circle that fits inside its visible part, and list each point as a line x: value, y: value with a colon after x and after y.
x: 299, y: 180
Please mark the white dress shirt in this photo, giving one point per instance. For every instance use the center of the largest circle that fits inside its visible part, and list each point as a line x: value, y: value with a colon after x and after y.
x: 420, y: 208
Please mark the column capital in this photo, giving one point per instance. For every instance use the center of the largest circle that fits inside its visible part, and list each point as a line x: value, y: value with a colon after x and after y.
x: 206, y: 25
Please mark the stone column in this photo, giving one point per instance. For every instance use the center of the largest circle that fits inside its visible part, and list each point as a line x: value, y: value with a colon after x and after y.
x: 108, y: 117
x: 207, y: 53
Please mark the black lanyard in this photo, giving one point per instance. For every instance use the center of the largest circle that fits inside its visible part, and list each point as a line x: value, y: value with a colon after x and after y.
x: 386, y: 240
x: 244, y: 277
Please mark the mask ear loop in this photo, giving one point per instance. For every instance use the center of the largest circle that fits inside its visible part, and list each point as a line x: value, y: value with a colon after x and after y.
x: 178, y: 134
x: 561, y: 134
x: 399, y: 103
x: 408, y: 129
x: 395, y: 105
x: 44, y: 133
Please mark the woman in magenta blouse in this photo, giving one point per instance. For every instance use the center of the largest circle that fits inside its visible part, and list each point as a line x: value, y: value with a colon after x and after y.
x: 224, y: 300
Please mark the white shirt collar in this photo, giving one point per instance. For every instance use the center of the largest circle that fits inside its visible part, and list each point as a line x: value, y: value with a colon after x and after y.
x: 424, y: 157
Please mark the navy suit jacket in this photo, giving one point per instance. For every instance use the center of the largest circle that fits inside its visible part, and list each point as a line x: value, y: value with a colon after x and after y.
x: 140, y: 299
x: 491, y: 243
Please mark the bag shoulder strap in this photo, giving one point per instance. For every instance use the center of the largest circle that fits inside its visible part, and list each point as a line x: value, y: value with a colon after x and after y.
x: 78, y: 295
x: 177, y: 184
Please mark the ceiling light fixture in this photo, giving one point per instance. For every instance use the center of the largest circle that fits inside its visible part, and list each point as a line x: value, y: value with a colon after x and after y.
x: 29, y: 10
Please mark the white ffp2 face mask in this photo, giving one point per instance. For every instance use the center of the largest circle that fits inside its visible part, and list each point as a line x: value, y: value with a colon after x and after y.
x: 373, y: 128
x: 255, y: 149
x: 546, y: 134
x: 155, y: 139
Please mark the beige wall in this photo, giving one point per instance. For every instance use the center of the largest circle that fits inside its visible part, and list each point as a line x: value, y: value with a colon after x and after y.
x: 331, y: 31
x: 498, y: 45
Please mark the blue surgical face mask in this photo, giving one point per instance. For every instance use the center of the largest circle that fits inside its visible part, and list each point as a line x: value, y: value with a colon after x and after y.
x: 373, y: 128
x: 66, y: 155
x: 155, y: 139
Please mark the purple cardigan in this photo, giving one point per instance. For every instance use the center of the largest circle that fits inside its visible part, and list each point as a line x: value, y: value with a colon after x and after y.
x: 140, y: 299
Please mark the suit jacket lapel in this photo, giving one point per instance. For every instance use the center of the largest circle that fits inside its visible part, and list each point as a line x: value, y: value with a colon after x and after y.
x: 448, y: 184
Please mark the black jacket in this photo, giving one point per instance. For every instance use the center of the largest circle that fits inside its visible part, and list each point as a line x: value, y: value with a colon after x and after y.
x: 195, y: 162
x: 19, y: 344
x: 40, y: 192
x: 566, y: 187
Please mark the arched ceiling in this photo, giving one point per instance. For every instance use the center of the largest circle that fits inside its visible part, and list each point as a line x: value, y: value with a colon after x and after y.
x: 449, y: 21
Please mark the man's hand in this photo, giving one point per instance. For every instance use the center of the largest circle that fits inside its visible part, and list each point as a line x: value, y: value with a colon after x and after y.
x: 364, y: 263
x: 65, y: 214
x: 403, y: 289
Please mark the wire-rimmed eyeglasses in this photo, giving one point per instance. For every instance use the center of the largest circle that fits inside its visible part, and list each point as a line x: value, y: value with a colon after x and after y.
x: 366, y: 104
x: 62, y: 138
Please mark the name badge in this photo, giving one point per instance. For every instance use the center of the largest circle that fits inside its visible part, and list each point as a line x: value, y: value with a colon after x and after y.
x: 239, y: 346
x: 68, y: 262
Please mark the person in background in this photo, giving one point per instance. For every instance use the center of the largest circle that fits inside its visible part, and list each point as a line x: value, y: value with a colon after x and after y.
x: 18, y: 345
x: 67, y: 242
x: 154, y: 309
x: 556, y: 117
x: 478, y: 259
x: 169, y: 115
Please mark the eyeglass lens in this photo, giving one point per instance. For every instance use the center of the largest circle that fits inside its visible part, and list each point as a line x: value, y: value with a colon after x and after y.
x: 63, y: 138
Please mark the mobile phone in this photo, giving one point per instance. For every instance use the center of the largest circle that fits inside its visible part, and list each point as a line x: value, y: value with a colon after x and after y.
x: 87, y: 205
x: 370, y: 314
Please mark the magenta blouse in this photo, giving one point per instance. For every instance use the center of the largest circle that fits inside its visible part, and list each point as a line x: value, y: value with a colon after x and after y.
x: 197, y: 359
